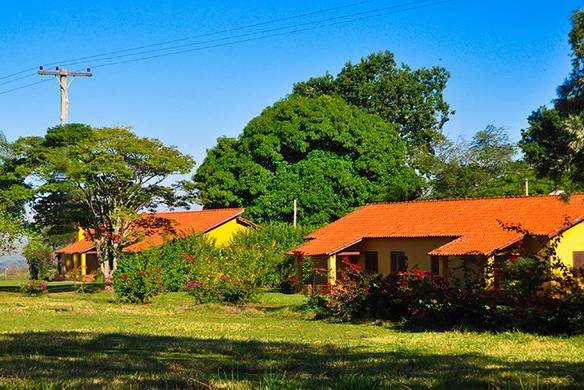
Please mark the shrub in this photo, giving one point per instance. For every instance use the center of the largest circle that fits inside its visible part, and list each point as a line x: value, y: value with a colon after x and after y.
x: 346, y: 300
x: 262, y: 253
x: 223, y: 290
x: 39, y: 257
x: 254, y: 258
x: 136, y: 281
x: 34, y: 288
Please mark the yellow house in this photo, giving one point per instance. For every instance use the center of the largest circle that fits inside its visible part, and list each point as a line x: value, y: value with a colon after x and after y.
x: 451, y: 238
x: 217, y: 224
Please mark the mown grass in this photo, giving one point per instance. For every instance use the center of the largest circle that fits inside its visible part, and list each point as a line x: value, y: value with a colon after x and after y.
x: 86, y: 340
x: 60, y: 286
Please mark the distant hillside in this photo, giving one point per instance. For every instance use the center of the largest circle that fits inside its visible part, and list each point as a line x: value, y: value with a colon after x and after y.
x: 12, y: 261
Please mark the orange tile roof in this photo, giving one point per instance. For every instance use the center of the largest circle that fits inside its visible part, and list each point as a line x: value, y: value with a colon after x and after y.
x: 474, y: 224
x: 82, y: 246
x: 182, y: 222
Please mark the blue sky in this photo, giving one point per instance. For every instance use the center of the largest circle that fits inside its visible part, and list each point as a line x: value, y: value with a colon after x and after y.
x: 506, y: 58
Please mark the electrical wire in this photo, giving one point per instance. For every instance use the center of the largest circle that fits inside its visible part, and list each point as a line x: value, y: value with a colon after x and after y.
x: 262, y: 37
x: 239, y: 28
x: 23, y: 86
x: 296, y: 26
x: 353, y: 17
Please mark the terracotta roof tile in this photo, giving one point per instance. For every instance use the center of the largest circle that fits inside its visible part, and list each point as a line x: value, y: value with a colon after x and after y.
x: 182, y: 222
x: 76, y: 247
x: 474, y: 224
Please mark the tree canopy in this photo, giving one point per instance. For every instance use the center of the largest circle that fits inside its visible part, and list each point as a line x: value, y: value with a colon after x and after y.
x: 411, y: 99
x: 554, y: 141
x: 326, y: 153
x: 482, y: 167
x: 100, y: 178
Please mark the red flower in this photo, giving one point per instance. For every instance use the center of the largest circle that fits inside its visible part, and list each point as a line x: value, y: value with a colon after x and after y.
x: 188, y: 258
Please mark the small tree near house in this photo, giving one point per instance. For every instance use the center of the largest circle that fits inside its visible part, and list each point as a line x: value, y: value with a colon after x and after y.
x: 110, y: 175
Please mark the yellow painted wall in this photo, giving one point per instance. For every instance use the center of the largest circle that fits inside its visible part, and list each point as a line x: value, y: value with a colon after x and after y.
x: 222, y: 234
x: 416, y: 250
x: 571, y: 240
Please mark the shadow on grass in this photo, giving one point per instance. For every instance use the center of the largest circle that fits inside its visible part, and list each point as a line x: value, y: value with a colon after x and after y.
x: 61, y: 287
x: 122, y: 360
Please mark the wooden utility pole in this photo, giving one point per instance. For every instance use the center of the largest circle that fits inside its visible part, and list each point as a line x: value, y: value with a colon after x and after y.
x: 62, y: 74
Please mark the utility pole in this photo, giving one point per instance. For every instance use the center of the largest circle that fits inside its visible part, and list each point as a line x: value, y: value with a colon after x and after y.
x: 62, y: 74
x: 295, y: 213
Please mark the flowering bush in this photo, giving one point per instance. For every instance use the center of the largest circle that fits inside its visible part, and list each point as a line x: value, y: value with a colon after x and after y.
x: 34, y: 288
x: 348, y: 298
x: 423, y: 299
x: 200, y: 291
x: 137, y: 281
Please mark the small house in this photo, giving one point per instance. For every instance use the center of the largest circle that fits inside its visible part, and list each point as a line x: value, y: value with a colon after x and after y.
x: 446, y: 237
x: 218, y: 224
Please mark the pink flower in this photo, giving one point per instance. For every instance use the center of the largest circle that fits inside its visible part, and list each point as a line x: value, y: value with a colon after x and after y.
x: 194, y: 283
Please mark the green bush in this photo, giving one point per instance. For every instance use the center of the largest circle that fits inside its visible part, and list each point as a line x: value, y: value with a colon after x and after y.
x: 223, y: 290
x: 262, y: 252
x: 256, y: 256
x: 180, y: 261
x: 39, y: 256
x: 137, y: 280
x: 34, y: 288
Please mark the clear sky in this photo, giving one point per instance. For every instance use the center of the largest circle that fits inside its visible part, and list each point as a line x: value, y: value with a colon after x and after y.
x: 506, y: 58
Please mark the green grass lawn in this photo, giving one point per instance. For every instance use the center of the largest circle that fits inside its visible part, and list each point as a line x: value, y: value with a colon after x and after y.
x: 85, y: 340
x: 60, y: 286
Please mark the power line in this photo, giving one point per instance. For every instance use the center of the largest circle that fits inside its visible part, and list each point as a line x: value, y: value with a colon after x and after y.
x: 18, y: 79
x: 412, y: 5
x: 239, y: 28
x: 260, y: 37
x: 17, y: 73
x: 23, y: 86
x: 317, y: 22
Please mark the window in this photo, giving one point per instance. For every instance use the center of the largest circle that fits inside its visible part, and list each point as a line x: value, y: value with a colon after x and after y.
x: 435, y: 265
x: 578, y: 259
x: 399, y: 262
x: 371, y: 262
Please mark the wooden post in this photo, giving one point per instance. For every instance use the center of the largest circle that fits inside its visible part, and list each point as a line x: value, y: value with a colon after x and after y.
x: 83, y: 264
x: 332, y: 269
x: 299, y: 272
x: 445, y: 267
x: 75, y: 260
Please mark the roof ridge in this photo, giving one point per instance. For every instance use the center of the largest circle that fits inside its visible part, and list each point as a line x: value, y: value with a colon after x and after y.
x: 428, y: 200
x: 196, y: 211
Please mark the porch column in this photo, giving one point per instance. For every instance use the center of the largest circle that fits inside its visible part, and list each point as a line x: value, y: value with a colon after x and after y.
x: 491, y: 275
x: 83, y: 264
x: 299, y: 270
x: 75, y: 260
x: 445, y: 267
x: 332, y: 269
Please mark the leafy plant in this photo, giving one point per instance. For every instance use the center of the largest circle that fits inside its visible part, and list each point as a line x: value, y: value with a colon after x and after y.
x: 34, y: 288
x: 137, y: 281
x: 39, y: 257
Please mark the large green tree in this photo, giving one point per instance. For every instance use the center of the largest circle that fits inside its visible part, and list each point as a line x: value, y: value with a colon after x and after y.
x: 482, y: 167
x: 326, y: 153
x: 106, y: 176
x: 410, y: 99
x: 554, y: 141
x: 14, y: 194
